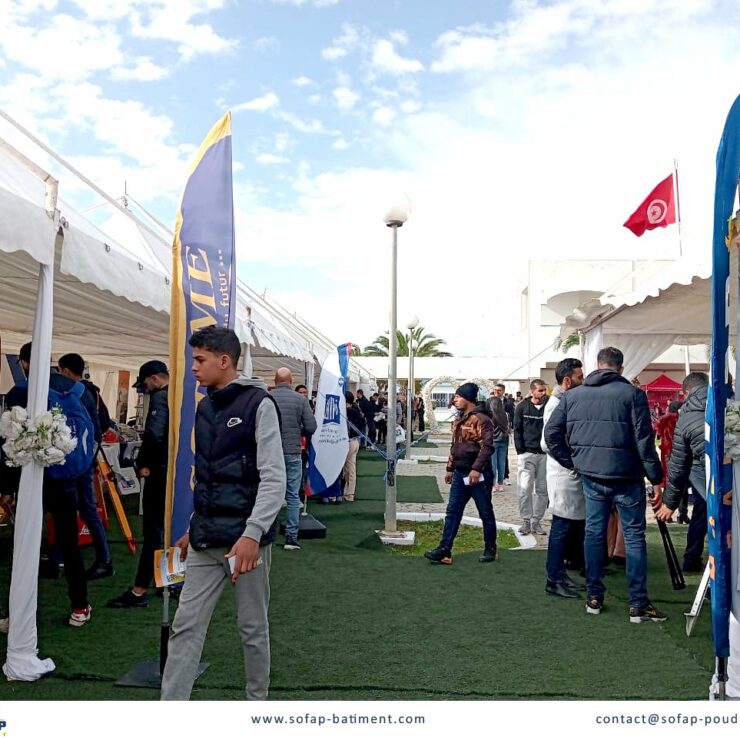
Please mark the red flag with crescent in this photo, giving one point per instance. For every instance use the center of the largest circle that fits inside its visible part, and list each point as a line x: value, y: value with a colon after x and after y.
x: 657, y: 210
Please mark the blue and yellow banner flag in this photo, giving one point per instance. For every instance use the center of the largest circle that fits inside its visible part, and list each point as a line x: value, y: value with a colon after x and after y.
x: 203, y: 294
x: 719, y: 467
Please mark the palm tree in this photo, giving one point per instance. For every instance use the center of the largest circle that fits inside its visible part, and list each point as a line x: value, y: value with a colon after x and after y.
x: 426, y: 345
x: 572, y: 340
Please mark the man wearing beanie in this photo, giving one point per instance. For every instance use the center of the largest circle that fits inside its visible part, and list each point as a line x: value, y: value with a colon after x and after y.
x: 469, y: 474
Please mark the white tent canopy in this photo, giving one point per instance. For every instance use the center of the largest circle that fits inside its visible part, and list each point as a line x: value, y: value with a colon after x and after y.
x: 673, y: 308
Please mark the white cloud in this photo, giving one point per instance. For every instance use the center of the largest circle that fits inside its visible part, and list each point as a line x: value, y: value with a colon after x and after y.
x: 302, y: 81
x: 384, y: 116
x: 267, y: 158
x: 298, y: 3
x: 343, y: 44
x: 345, y: 98
x: 314, y: 99
x: 340, y: 144
x: 387, y: 59
x: 410, y: 106
x: 262, y: 103
x: 266, y: 42
x: 313, y: 126
x: 145, y: 70
x: 172, y: 20
x: 399, y: 37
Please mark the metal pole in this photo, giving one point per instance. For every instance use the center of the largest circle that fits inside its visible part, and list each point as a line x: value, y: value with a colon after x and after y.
x: 410, y: 399
x: 686, y: 359
x: 390, y: 479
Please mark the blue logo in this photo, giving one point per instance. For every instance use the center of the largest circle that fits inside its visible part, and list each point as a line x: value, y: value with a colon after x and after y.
x: 3, y: 725
x: 332, y: 413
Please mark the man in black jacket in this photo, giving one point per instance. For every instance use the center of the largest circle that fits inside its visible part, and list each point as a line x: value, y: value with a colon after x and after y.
x: 602, y: 430
x: 532, y: 460
x: 686, y: 467
x: 153, y: 379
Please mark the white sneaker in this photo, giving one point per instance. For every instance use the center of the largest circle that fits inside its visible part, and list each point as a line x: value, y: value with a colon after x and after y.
x: 80, y: 617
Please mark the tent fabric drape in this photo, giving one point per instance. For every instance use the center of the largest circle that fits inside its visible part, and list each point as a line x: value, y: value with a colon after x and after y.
x: 22, y: 662
x: 592, y: 344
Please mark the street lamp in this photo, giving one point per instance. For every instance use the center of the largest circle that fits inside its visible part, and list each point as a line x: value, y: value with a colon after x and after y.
x: 396, y: 217
x: 410, y: 392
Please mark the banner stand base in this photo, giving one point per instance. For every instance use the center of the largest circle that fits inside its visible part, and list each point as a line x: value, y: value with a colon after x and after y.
x: 309, y: 528
x: 146, y: 675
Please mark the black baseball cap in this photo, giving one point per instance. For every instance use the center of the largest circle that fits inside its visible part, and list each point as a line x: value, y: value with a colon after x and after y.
x: 152, y: 367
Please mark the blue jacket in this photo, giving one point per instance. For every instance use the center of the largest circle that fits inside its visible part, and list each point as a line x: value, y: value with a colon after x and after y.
x: 602, y: 430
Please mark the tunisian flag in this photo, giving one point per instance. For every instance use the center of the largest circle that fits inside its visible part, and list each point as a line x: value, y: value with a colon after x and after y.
x: 658, y: 209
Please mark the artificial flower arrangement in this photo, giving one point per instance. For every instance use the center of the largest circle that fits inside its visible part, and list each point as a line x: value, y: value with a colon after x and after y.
x: 47, y: 439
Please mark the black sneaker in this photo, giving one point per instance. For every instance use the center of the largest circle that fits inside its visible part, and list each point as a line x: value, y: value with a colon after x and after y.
x: 697, y: 567
x: 560, y: 589
x: 128, y: 600
x: 647, y: 613
x: 291, y: 543
x: 100, y: 570
x: 594, y: 606
x: 439, y: 555
x: 568, y: 582
x: 488, y: 556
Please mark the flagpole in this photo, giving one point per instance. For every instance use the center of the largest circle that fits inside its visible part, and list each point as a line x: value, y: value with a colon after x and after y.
x: 678, y: 206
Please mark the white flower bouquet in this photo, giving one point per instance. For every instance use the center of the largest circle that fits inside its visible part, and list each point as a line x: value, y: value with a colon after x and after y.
x: 732, y: 429
x: 46, y: 439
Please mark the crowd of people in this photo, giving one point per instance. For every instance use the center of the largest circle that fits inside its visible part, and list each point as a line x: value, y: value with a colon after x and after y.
x: 585, y: 451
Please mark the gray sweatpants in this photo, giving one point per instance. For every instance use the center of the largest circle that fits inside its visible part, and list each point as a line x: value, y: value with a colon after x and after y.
x: 532, y: 486
x: 207, y: 573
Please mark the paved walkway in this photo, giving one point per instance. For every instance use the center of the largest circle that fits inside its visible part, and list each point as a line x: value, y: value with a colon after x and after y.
x: 505, y: 504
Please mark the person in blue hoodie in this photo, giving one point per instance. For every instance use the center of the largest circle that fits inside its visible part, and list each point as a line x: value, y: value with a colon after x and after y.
x: 602, y: 430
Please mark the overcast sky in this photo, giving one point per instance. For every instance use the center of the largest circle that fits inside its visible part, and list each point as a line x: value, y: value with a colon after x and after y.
x: 520, y: 130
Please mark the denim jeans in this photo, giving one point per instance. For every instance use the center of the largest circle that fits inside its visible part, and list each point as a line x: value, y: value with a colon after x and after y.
x: 294, y: 472
x: 629, y: 498
x: 460, y: 494
x: 88, y: 508
x: 498, y: 460
x: 556, y: 544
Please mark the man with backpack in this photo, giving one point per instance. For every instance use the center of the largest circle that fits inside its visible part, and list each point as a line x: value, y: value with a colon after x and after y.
x: 61, y: 481
x: 72, y: 366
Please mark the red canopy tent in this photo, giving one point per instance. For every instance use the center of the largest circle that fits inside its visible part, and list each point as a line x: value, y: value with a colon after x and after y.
x: 662, y: 391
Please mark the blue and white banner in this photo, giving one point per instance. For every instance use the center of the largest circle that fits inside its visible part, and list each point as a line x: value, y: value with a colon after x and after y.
x: 719, y: 467
x: 330, y: 442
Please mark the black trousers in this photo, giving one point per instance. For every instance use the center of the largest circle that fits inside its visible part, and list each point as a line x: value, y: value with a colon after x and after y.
x: 60, y: 500
x: 697, y: 532
x: 155, y: 490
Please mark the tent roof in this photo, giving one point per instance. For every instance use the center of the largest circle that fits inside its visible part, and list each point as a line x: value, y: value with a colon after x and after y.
x: 676, y: 305
x: 663, y: 383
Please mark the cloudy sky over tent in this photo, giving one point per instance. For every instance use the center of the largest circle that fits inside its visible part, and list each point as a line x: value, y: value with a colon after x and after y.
x: 517, y: 128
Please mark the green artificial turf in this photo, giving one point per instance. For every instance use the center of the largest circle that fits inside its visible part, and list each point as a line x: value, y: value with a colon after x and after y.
x: 468, y: 539
x: 349, y: 621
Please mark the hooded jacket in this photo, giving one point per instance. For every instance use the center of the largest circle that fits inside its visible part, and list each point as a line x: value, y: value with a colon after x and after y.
x: 239, y: 466
x: 472, y: 442
x: 686, y: 463
x: 602, y: 429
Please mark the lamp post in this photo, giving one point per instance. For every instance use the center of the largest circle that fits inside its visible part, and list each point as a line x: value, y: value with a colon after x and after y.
x: 394, y: 219
x: 410, y: 392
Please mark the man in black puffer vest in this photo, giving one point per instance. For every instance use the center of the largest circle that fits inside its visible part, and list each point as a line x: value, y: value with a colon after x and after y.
x: 239, y: 488
x: 602, y: 430
x: 686, y: 467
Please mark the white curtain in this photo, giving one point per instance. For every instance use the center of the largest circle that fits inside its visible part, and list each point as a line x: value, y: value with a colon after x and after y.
x: 22, y: 663
x: 639, y: 349
x: 592, y: 344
